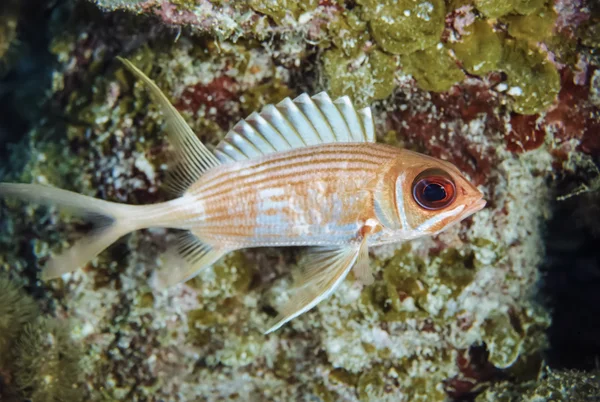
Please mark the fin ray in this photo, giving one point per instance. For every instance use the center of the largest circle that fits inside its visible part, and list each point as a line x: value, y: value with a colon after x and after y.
x: 297, y: 123
x: 362, y: 269
x: 193, y: 156
x: 186, y: 258
x: 324, y: 269
x: 115, y: 220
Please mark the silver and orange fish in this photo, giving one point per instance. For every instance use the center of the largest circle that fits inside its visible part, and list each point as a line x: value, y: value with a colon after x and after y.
x: 306, y: 172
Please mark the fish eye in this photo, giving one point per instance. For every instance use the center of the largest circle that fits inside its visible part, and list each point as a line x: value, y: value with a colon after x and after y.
x: 433, y: 189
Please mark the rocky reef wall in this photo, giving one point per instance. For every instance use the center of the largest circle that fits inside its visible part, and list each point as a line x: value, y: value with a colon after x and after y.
x: 508, y: 91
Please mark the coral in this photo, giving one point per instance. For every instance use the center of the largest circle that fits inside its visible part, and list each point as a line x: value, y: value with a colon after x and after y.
x: 405, y: 26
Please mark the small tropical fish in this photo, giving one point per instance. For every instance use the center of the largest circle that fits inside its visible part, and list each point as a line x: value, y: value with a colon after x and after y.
x: 306, y: 172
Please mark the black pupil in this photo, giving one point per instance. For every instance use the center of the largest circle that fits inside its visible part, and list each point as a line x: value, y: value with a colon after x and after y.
x: 434, y: 192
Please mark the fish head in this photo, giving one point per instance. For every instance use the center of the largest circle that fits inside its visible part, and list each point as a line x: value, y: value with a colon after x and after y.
x: 425, y: 195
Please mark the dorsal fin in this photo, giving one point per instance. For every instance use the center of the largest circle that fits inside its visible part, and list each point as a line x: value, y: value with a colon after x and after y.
x: 192, y: 156
x: 296, y: 123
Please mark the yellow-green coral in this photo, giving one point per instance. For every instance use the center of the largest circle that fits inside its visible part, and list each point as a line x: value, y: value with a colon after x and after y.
x: 533, y: 81
x: 480, y: 49
x: 405, y: 26
x: 433, y: 68
x: 364, y: 78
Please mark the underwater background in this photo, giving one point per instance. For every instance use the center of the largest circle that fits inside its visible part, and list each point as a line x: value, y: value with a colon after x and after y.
x: 503, y: 307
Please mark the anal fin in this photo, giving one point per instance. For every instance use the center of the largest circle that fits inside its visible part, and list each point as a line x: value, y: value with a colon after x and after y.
x: 324, y: 268
x: 185, y: 259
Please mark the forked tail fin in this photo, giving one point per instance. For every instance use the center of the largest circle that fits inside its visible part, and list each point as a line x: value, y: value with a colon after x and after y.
x: 112, y: 222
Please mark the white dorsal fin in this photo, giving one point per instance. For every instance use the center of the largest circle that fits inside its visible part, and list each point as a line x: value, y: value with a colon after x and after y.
x: 192, y: 157
x: 297, y: 123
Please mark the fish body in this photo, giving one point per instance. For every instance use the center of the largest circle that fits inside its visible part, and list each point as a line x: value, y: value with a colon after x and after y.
x: 321, y: 195
x: 303, y: 173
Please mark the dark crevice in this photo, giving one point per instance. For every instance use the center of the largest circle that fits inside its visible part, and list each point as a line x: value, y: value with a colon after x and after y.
x: 571, y: 279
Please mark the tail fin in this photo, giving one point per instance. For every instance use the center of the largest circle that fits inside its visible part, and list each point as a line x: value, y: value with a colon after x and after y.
x: 113, y: 221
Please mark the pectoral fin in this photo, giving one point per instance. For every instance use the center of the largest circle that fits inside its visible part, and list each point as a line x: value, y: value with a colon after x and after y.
x: 362, y: 269
x: 324, y: 268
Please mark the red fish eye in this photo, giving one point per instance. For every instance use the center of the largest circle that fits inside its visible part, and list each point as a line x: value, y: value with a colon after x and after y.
x: 433, y: 190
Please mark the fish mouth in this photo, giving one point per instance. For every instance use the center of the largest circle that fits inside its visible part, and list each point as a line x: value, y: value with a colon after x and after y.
x: 474, y: 207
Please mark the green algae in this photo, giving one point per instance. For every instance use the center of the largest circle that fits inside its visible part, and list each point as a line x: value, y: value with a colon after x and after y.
x: 433, y: 68
x: 411, y: 286
x: 589, y: 33
x: 455, y: 268
x: 365, y: 78
x: 278, y: 10
x: 270, y: 92
x: 321, y: 391
x: 16, y: 310
x: 371, y: 386
x: 376, y: 383
x: 48, y: 368
x: 533, y: 81
x: 496, y: 9
x: 36, y: 352
x: 503, y: 341
x: 534, y: 27
x: 405, y: 26
x: 344, y: 377
x: 348, y: 32
x: 554, y: 385
x: 233, y: 274
x: 480, y: 49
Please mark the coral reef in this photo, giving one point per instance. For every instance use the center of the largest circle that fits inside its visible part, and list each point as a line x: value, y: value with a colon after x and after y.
x: 508, y: 91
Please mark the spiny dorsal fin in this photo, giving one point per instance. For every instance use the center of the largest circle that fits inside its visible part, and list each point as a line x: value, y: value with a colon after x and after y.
x: 192, y: 156
x: 296, y: 123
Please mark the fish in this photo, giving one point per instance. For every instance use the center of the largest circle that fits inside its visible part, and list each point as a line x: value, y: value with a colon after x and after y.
x: 305, y: 172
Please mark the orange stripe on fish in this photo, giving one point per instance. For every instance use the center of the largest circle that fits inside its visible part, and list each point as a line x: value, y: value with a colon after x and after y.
x: 304, y: 172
